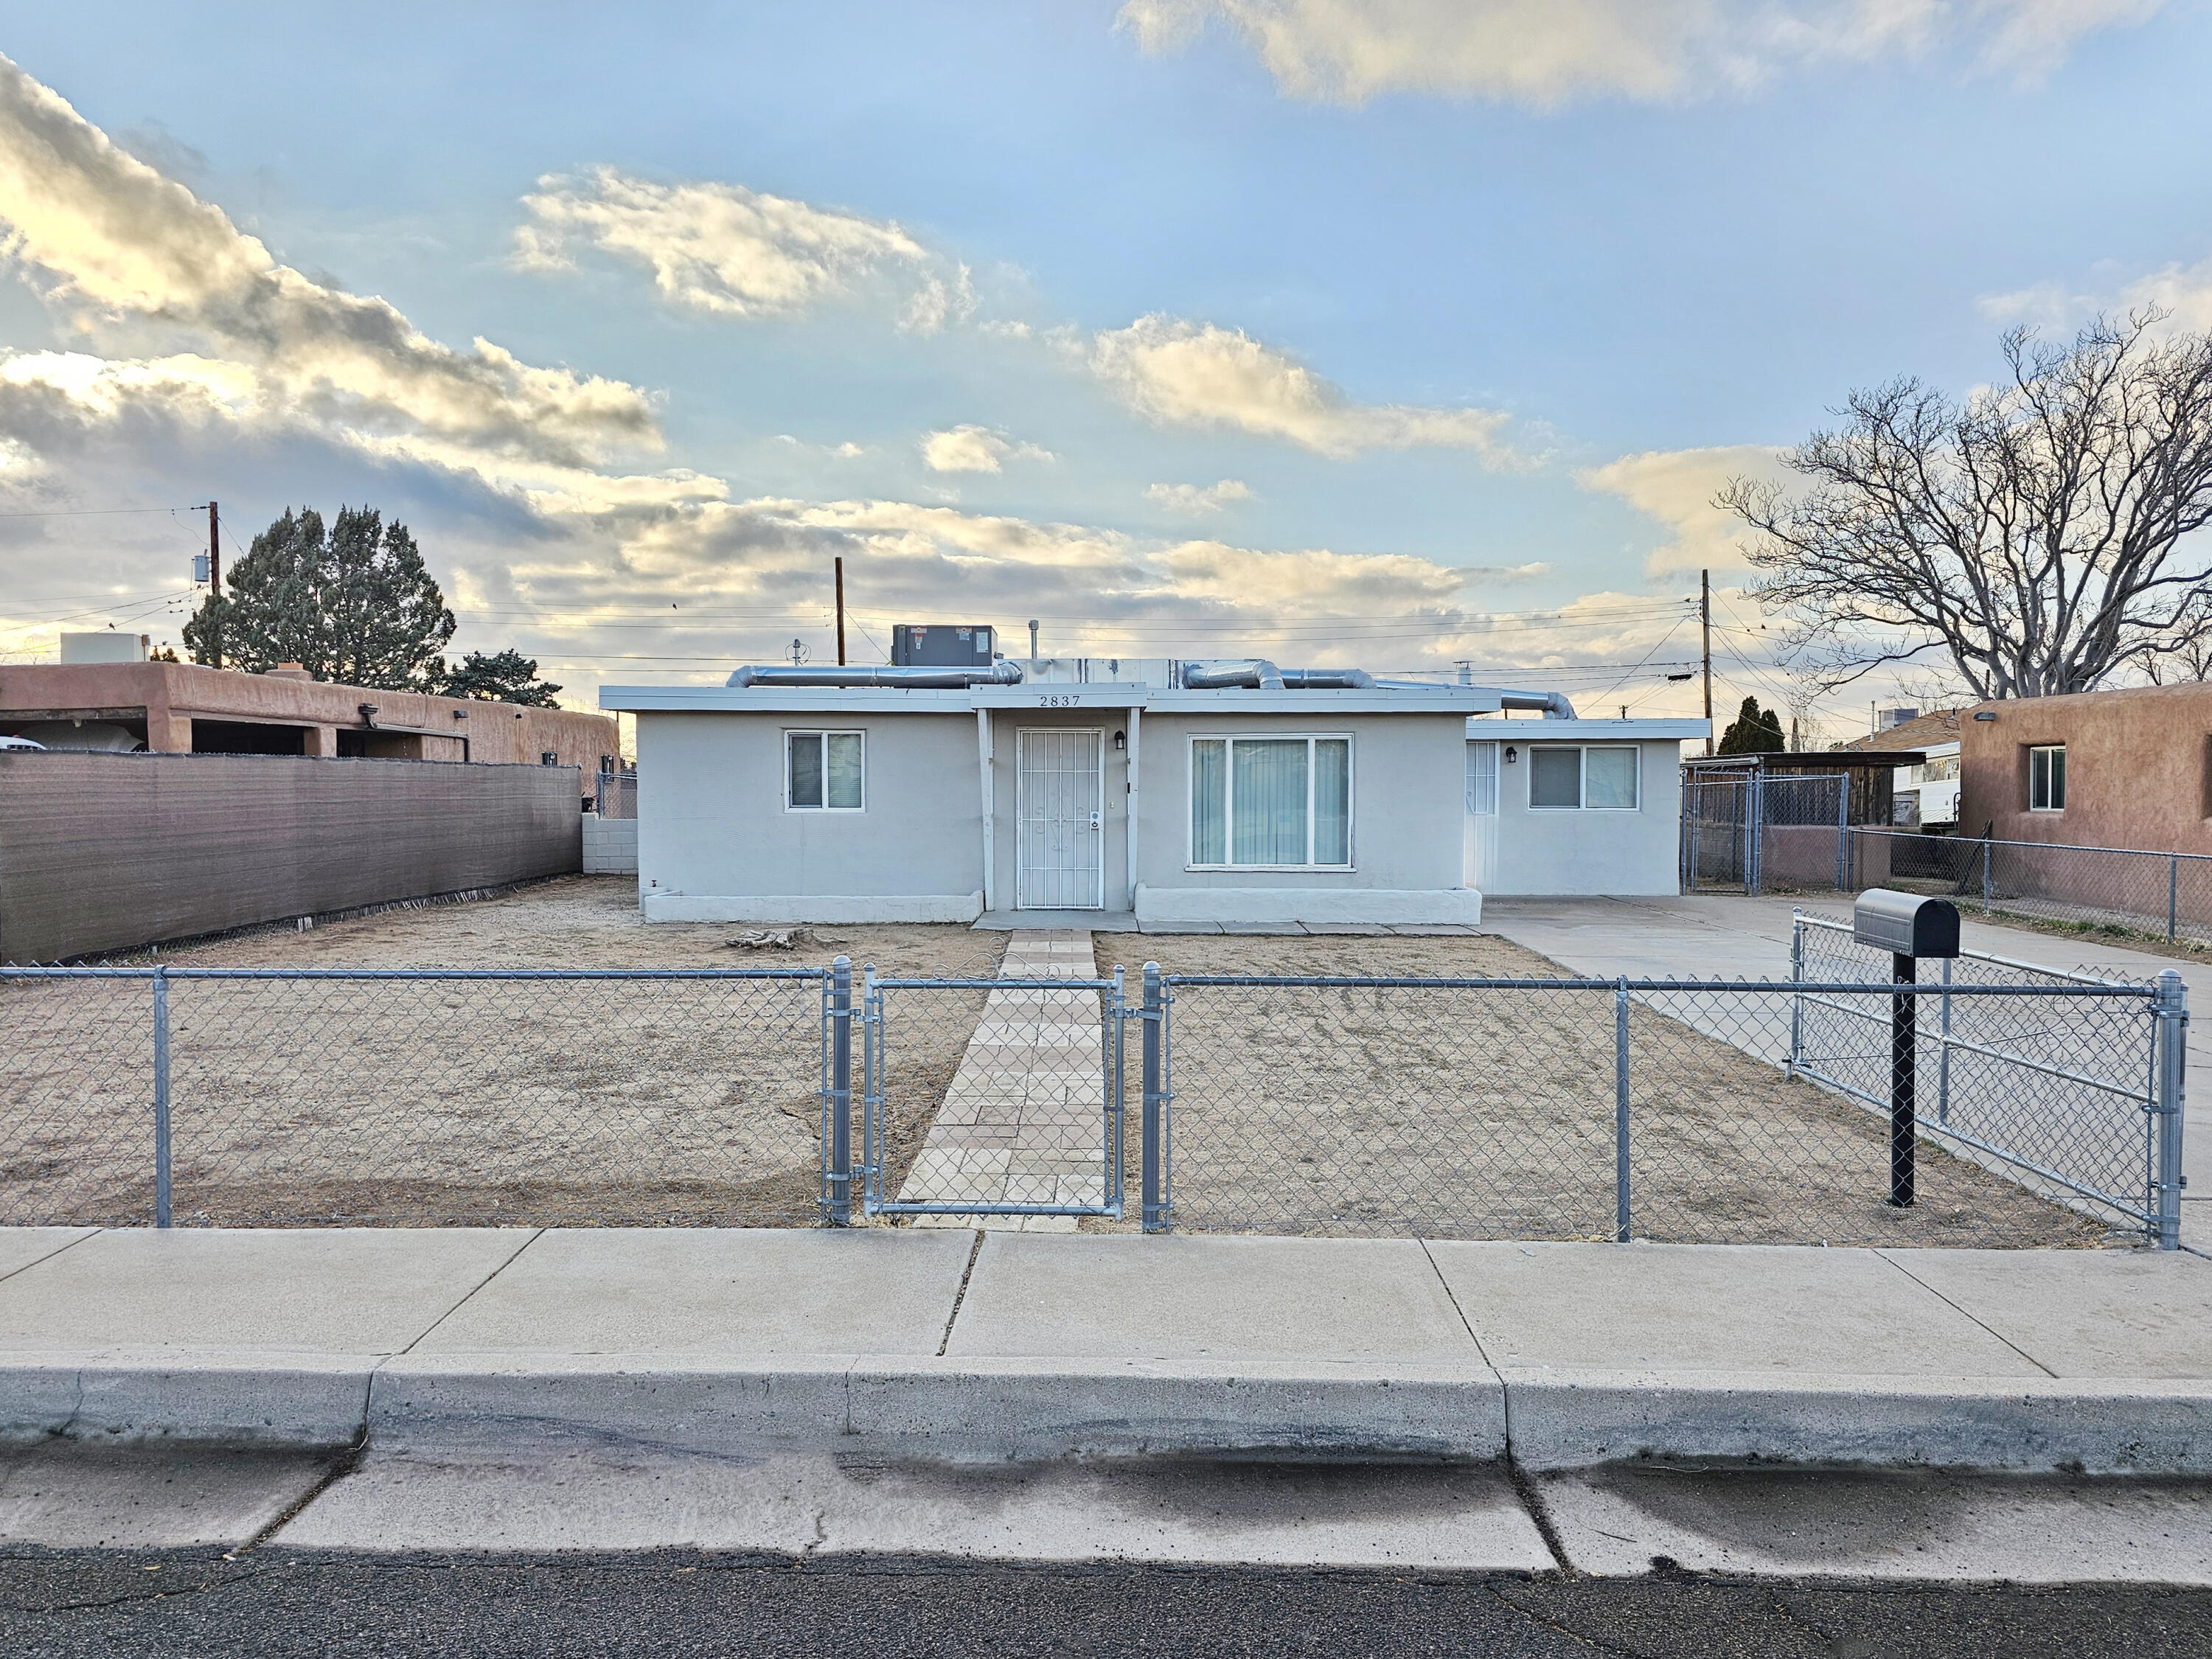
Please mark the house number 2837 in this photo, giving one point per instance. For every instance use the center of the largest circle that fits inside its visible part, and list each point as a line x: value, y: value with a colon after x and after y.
x: 1060, y: 702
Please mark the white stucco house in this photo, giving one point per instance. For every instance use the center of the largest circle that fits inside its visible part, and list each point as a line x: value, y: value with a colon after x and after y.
x: 1172, y: 794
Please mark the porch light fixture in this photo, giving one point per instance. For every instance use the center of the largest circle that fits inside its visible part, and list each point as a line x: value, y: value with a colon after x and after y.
x: 1511, y: 754
x: 1120, y: 740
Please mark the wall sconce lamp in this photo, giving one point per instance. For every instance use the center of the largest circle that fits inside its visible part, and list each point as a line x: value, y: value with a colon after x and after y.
x: 1511, y: 754
x: 1120, y: 740
x: 1985, y: 716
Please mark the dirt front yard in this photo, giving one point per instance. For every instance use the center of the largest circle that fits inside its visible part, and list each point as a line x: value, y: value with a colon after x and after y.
x: 455, y: 1101
x: 1490, y: 1114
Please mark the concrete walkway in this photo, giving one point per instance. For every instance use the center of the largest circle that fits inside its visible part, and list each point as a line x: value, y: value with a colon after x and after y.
x: 1717, y: 936
x: 1024, y: 1120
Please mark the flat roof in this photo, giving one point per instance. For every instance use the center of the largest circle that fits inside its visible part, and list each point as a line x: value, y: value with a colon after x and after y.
x: 1810, y: 760
x: 1537, y: 730
x: 1053, y: 694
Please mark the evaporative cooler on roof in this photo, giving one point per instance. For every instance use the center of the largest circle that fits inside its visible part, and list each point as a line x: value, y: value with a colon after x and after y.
x: 940, y: 644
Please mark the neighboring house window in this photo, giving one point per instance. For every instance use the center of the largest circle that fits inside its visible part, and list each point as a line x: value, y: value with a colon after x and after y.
x: 1482, y: 779
x: 1599, y: 778
x: 1271, y: 803
x: 2046, y: 778
x: 822, y: 771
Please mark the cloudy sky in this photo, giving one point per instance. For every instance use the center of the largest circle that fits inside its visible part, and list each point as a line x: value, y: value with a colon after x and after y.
x: 1387, y: 332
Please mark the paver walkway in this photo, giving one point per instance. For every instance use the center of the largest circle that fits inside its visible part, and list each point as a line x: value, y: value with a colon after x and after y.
x: 1024, y: 1122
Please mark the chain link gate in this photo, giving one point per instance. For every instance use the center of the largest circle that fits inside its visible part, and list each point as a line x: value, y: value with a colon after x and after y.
x: 1030, y: 1122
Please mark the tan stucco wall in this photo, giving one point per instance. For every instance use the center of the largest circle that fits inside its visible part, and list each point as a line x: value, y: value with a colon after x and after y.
x: 2136, y: 769
x: 168, y: 696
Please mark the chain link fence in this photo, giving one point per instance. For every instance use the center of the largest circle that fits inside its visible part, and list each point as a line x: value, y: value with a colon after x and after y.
x: 1762, y: 833
x: 2111, y: 889
x: 1672, y: 1110
x: 614, y: 794
x: 252, y: 1096
x: 2036, y: 1108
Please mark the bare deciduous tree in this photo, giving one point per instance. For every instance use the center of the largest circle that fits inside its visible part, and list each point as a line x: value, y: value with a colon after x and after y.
x: 2031, y: 531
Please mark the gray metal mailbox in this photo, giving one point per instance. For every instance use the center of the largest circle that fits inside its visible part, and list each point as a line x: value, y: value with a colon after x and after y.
x: 1905, y: 924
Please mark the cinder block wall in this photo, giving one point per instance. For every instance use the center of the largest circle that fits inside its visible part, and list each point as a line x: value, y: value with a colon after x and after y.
x: 610, y: 846
x: 103, y: 853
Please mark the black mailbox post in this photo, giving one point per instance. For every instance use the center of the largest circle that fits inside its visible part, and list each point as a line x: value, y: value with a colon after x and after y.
x: 1909, y: 928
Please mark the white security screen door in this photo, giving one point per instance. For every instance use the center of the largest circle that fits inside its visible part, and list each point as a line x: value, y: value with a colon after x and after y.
x: 1060, y: 799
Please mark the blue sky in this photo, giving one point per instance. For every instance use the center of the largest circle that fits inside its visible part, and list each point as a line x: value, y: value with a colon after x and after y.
x: 1329, y: 329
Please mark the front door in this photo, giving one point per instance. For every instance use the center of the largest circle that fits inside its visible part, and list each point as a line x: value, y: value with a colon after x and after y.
x: 1059, y: 800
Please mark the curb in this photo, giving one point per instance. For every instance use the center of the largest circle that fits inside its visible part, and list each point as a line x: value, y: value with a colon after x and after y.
x: 897, y: 1409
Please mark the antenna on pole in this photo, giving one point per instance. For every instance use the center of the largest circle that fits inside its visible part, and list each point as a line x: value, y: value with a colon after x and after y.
x: 841, y: 612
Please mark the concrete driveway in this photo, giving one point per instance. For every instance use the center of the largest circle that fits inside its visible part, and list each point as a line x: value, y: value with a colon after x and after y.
x: 1720, y: 936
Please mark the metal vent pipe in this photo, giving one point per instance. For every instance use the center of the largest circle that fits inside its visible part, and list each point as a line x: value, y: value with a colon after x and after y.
x: 1001, y: 672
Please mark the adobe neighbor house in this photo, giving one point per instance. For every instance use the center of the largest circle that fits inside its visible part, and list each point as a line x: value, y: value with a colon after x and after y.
x: 2129, y: 767
x: 1171, y: 793
x: 129, y: 703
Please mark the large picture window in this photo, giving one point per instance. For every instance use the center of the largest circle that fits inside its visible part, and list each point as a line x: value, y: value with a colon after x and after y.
x: 822, y: 771
x: 2046, y: 778
x: 1271, y: 803
x: 1600, y: 778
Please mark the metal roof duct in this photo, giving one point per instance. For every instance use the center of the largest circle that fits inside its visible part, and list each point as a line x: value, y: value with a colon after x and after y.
x: 897, y: 679
x: 1553, y: 703
x: 1254, y: 673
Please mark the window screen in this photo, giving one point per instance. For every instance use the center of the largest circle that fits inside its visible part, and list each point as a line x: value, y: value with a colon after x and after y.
x: 1609, y: 778
x: 1555, y: 777
x: 1482, y: 779
x: 823, y: 770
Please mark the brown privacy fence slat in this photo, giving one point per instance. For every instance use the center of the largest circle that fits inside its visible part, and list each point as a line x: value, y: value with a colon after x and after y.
x: 104, y: 853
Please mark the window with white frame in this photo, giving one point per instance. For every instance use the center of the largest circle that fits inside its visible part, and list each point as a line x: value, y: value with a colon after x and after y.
x: 2046, y: 778
x: 1599, y: 777
x: 1272, y: 802
x: 822, y: 771
x: 1482, y: 779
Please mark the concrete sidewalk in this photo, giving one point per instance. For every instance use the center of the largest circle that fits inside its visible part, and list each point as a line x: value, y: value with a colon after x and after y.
x: 1720, y: 936
x: 944, y: 1345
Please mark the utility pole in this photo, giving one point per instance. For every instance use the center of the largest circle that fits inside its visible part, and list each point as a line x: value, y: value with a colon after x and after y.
x: 214, y: 574
x: 1705, y: 620
x: 841, y: 612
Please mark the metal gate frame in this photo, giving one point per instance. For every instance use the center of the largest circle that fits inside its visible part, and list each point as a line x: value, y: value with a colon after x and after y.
x: 1114, y: 1016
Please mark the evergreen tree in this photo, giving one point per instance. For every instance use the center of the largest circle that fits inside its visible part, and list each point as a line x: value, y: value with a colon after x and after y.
x: 505, y: 676
x: 1753, y: 731
x: 354, y: 605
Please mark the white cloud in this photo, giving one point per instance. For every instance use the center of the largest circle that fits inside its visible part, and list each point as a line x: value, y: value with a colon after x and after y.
x: 938, y: 302
x: 1198, y: 498
x: 1677, y: 487
x: 1548, y: 52
x: 2183, y: 292
x: 1178, y: 373
x: 712, y: 246
x: 975, y: 449
x: 122, y: 247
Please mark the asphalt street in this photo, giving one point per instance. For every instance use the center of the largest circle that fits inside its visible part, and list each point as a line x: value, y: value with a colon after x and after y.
x: 272, y: 1604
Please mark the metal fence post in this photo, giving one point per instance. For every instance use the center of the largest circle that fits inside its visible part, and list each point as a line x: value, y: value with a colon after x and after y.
x: 1154, y: 1017
x: 1753, y: 870
x: 1943, y: 1052
x: 1620, y: 1194
x: 161, y: 1097
x: 1796, y: 998
x: 2172, y: 895
x: 837, y: 1199
x: 1843, y: 835
x: 2170, y: 1010
x: 1117, y: 1020
x: 1987, y: 851
x: 1904, y: 1075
